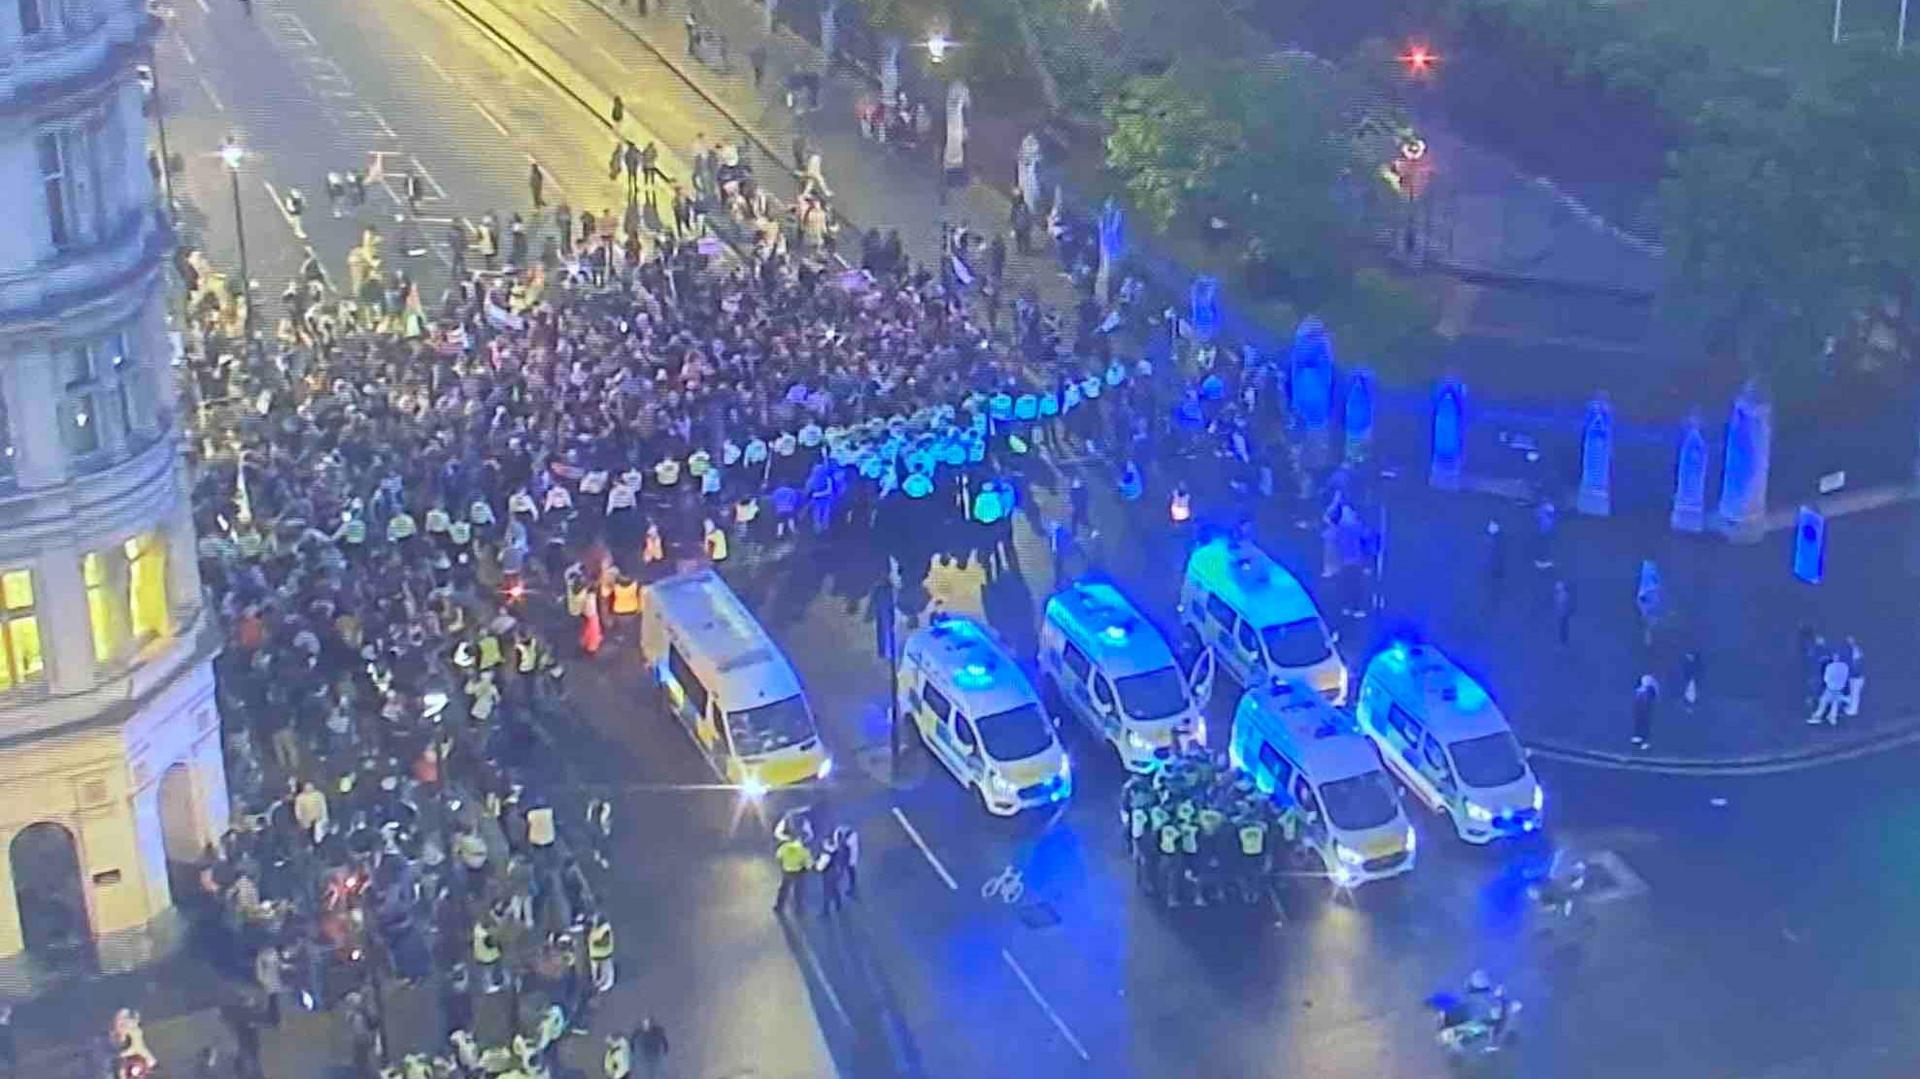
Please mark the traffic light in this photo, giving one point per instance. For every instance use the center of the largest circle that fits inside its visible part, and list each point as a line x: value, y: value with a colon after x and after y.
x: 1418, y: 60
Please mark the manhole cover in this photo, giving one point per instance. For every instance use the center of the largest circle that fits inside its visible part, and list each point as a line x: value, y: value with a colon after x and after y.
x: 1039, y: 915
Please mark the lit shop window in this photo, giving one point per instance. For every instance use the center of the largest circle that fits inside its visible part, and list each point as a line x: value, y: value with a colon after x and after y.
x: 147, y: 586
x: 19, y: 630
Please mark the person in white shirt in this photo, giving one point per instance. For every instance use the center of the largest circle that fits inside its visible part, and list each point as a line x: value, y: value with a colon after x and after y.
x: 1834, y: 679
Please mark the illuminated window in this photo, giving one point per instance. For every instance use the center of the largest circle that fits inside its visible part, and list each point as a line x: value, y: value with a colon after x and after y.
x: 147, y: 586
x: 19, y: 630
x: 100, y: 613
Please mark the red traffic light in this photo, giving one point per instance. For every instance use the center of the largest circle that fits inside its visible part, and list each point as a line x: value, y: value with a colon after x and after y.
x: 1418, y: 60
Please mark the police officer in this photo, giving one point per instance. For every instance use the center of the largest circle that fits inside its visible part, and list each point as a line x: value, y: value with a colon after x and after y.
x: 1170, y: 862
x: 600, y: 953
x: 617, y: 1063
x: 1185, y: 813
x: 1252, y: 834
x: 486, y: 955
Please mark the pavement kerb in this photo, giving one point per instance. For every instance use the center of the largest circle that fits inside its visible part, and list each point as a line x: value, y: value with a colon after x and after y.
x: 1906, y: 733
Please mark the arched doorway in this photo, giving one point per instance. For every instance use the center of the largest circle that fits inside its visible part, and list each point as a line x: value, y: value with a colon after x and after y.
x: 180, y: 829
x: 48, y: 891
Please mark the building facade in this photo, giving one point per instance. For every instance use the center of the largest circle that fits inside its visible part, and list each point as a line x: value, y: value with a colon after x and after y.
x: 110, y: 752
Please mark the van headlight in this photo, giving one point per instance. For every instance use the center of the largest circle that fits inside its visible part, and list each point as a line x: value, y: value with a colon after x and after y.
x: 1137, y: 743
x: 1066, y: 768
x: 1198, y: 730
x: 1412, y: 839
x: 999, y: 784
x: 752, y: 787
x: 825, y: 769
x: 1539, y: 798
x: 1349, y: 855
x: 1478, y: 812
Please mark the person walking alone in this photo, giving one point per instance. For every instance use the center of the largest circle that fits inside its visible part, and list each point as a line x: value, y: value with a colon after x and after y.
x: 536, y: 185
x: 1496, y: 561
x: 1645, y: 696
x: 650, y: 1040
x: 1563, y: 610
x: 1690, y: 668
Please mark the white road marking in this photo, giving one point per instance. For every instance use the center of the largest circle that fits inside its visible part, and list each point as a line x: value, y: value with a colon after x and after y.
x: 1034, y: 992
x: 564, y: 24
x: 188, y: 53
x: 438, y: 191
x: 497, y: 125
x: 292, y: 221
x: 820, y: 975
x: 385, y: 128
x: 204, y: 7
x: 437, y: 69
x: 207, y: 88
x: 551, y: 184
x: 914, y: 834
x: 609, y: 57
x: 1626, y: 883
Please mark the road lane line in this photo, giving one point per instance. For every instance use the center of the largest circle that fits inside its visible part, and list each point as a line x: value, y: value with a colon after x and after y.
x: 204, y: 7
x: 497, y: 125
x: 207, y: 88
x: 609, y: 57
x: 188, y: 53
x: 437, y: 69
x: 439, y: 191
x: 564, y: 24
x: 820, y: 974
x: 914, y: 834
x: 293, y: 222
x: 1034, y: 992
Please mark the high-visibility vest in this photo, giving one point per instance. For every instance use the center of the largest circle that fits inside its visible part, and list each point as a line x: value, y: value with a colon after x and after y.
x: 486, y: 950
x: 481, y: 512
x: 716, y: 543
x: 460, y: 532
x: 626, y: 597
x: 746, y: 511
x: 593, y: 483
x: 577, y: 602
x: 526, y: 655
x: 699, y: 463
x: 438, y: 520
x: 1253, y: 839
x: 400, y: 526
x: 600, y: 941
x: 1169, y: 839
x: 559, y: 498
x: 489, y: 652
x: 520, y: 502
x: 356, y: 530
x: 666, y: 472
x: 794, y: 856
x: 251, y: 543
x: 785, y: 444
x: 619, y: 497
x: 618, y: 1062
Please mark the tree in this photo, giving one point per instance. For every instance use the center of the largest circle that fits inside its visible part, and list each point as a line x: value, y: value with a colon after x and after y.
x: 1762, y: 218
x: 1165, y: 144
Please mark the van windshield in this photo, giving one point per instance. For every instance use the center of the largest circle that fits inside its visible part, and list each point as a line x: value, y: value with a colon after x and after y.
x: 1491, y: 760
x: 1153, y: 695
x: 1297, y: 644
x: 770, y: 727
x: 1357, y: 803
x: 1015, y: 734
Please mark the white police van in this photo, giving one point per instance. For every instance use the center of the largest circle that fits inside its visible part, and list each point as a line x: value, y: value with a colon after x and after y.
x: 1299, y: 748
x: 1257, y: 619
x: 1441, y: 733
x: 1103, y: 661
x: 979, y: 716
x: 729, y: 685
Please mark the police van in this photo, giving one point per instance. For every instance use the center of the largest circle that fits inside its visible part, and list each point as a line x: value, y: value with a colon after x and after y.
x: 1257, y: 619
x: 1441, y: 733
x: 1103, y: 661
x: 1299, y: 748
x: 979, y: 716
x: 729, y: 685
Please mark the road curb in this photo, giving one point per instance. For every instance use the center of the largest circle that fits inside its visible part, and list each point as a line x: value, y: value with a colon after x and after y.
x: 1730, y: 766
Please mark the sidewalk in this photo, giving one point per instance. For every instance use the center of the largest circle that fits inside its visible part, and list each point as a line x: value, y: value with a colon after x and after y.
x: 874, y: 185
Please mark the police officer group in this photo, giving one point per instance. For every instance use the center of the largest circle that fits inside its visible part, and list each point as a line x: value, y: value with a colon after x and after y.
x: 1200, y: 832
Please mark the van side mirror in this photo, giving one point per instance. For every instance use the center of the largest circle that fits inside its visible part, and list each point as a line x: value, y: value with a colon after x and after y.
x: 1333, y: 636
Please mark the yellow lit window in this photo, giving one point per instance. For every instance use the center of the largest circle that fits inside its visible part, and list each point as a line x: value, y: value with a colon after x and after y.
x: 99, y: 606
x: 20, y: 658
x: 147, y: 586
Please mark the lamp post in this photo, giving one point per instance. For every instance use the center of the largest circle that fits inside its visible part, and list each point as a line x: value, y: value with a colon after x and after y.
x: 231, y: 154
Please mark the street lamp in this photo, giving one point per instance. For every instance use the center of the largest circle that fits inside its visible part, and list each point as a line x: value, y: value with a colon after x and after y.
x: 937, y: 46
x: 232, y: 155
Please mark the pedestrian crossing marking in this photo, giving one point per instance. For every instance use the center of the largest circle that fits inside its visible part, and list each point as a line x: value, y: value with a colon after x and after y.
x: 1627, y: 884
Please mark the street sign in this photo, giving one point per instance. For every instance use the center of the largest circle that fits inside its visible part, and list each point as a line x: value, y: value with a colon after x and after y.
x: 1833, y: 481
